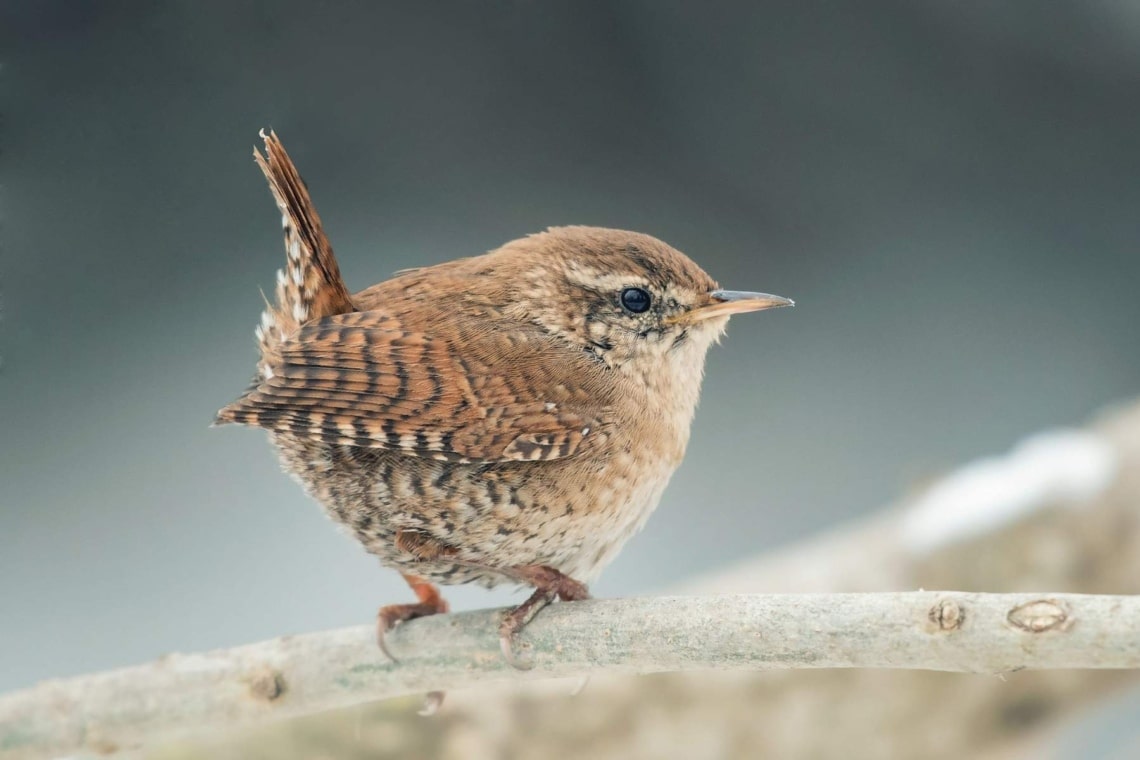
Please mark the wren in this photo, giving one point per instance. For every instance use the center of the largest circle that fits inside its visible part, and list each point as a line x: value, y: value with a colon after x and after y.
x: 512, y: 417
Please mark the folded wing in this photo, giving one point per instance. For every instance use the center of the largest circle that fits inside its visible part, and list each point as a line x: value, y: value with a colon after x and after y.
x: 361, y: 379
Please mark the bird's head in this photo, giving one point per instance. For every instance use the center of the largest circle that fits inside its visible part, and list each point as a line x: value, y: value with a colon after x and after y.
x: 628, y: 299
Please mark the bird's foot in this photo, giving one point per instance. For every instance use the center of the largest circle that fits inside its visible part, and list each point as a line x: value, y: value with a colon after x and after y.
x: 430, y: 603
x: 515, y: 620
x: 549, y: 584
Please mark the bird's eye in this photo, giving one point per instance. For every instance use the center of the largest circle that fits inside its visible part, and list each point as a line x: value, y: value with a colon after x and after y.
x: 635, y: 300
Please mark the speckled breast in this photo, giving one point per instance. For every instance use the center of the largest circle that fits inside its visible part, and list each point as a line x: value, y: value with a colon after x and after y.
x: 573, y: 514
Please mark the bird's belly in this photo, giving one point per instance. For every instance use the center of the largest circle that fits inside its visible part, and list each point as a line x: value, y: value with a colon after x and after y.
x: 573, y: 515
x: 617, y: 514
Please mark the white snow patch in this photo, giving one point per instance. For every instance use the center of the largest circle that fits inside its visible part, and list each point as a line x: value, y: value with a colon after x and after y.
x: 1055, y: 467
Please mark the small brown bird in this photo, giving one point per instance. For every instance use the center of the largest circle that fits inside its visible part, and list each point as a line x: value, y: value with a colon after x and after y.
x: 506, y: 418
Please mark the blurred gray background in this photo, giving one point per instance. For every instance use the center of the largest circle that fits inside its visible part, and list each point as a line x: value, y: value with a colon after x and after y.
x: 948, y: 190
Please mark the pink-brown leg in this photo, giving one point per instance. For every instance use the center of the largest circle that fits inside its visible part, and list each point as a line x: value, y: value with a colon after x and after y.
x: 430, y: 603
x: 548, y: 584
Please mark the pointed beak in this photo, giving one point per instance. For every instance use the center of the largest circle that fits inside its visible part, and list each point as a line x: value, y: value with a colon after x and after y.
x: 725, y: 302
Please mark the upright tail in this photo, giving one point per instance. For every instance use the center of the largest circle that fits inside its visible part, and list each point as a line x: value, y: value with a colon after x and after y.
x: 310, y: 286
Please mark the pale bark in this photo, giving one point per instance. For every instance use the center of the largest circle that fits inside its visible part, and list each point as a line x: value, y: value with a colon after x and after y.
x: 973, y: 633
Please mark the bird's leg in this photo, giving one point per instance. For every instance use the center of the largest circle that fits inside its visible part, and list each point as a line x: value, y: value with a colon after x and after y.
x: 515, y: 620
x: 548, y: 583
x: 423, y: 547
x: 430, y: 603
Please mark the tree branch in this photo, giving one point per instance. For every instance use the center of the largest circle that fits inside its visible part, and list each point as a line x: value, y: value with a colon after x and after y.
x: 947, y: 631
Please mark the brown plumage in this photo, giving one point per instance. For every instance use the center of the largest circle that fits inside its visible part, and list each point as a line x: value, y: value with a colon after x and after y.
x: 511, y: 417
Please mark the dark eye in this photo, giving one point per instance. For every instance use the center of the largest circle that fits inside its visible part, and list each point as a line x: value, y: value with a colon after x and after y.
x: 635, y: 300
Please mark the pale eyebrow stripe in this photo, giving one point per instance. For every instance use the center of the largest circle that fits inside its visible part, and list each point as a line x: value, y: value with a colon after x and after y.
x: 591, y: 278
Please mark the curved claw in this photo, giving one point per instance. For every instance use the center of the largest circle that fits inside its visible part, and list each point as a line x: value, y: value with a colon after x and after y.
x: 384, y: 623
x: 384, y: 648
x: 515, y: 620
x: 394, y: 614
x: 549, y: 584
x: 507, y: 646
x: 430, y: 603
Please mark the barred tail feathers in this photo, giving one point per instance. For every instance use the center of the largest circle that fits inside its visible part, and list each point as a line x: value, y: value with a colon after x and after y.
x: 310, y: 287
